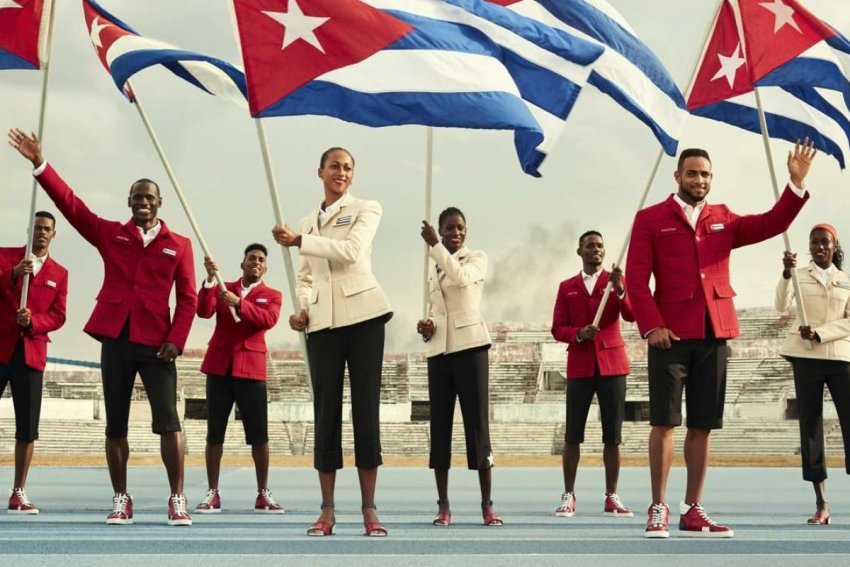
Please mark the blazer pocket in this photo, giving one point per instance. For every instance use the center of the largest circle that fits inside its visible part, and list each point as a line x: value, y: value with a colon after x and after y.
x: 673, y: 295
x: 613, y: 343
x: 466, y: 319
x: 723, y: 290
x: 107, y: 296
x: 468, y: 329
x: 363, y: 297
x: 255, y: 346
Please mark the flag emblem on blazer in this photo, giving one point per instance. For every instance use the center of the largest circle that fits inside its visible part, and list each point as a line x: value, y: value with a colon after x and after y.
x: 342, y: 221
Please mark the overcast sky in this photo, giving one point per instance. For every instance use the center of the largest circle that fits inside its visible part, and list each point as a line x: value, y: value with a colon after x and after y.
x: 592, y: 180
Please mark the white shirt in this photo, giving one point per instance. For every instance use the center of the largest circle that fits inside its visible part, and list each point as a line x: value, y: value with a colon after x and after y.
x: 245, y: 290
x: 37, y: 263
x: 825, y: 276
x: 147, y: 237
x: 590, y: 280
x: 693, y: 212
x: 328, y: 212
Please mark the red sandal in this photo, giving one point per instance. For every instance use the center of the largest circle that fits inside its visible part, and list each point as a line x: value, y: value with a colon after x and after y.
x: 373, y: 529
x: 491, y: 518
x: 443, y: 517
x: 321, y: 528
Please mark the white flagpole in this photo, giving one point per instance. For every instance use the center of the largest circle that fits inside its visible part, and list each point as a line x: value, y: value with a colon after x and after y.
x: 161, y: 153
x: 278, y: 215
x: 622, y: 256
x: 429, y: 177
x: 41, y: 113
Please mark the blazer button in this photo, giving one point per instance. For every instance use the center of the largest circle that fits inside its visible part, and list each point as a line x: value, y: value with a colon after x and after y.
x: 702, y: 276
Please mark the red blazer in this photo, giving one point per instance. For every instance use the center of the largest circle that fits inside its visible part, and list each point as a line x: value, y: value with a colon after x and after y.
x: 240, y: 347
x: 47, y: 296
x: 691, y: 267
x: 575, y: 308
x: 137, y: 279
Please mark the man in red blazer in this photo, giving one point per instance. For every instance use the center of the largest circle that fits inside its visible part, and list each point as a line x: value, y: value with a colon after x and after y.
x: 23, y: 340
x: 235, y: 365
x: 596, y: 364
x: 143, y: 260
x: 685, y: 243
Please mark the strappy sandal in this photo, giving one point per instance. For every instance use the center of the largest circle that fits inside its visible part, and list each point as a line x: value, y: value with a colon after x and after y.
x: 443, y: 517
x: 321, y: 528
x: 373, y: 529
x: 491, y: 518
x: 821, y: 518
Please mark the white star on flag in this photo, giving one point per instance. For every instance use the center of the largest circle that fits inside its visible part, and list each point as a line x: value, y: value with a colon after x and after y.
x: 95, y: 32
x: 9, y: 4
x: 729, y: 66
x: 298, y: 26
x: 784, y: 15
x: 490, y: 460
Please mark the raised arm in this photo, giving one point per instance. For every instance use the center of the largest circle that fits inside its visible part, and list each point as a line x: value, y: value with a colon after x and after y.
x: 350, y: 249
x: 459, y: 274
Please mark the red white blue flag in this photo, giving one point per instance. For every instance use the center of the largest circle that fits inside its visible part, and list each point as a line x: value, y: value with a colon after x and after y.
x: 123, y: 53
x: 23, y: 33
x: 800, y: 64
x: 452, y: 63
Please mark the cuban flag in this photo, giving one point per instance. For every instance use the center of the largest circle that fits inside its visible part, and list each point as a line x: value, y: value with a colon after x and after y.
x: 428, y: 62
x: 123, y: 53
x: 628, y: 71
x: 800, y: 64
x: 24, y: 33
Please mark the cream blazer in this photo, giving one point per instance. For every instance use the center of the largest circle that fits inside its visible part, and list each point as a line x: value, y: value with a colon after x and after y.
x: 335, y: 282
x: 454, y: 300
x: 827, y: 309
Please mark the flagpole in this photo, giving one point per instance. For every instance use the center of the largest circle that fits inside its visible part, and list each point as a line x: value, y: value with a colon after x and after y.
x: 429, y: 177
x: 624, y: 249
x: 41, y: 115
x: 161, y: 153
x: 278, y: 215
x: 795, y: 281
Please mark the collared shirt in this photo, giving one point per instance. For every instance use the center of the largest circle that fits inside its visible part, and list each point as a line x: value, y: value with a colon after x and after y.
x: 147, y: 237
x: 590, y: 280
x: 37, y: 263
x: 693, y: 212
x: 245, y: 290
x: 328, y: 212
x: 824, y: 275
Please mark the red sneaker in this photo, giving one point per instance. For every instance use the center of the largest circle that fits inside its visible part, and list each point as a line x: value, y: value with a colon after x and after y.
x: 657, y: 522
x: 265, y: 503
x: 177, y: 514
x: 567, y: 507
x: 122, y: 509
x: 696, y: 523
x: 211, y: 504
x: 19, y: 503
x: 614, y: 507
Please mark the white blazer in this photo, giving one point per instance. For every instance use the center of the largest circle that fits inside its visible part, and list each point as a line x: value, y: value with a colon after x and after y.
x: 454, y: 300
x: 827, y: 309
x: 335, y: 282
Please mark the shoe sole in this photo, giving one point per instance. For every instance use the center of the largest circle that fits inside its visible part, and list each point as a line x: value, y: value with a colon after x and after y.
x: 656, y: 535
x: 22, y: 512
x: 207, y: 511
x: 619, y: 514
x: 695, y: 534
x: 267, y: 511
x: 565, y: 514
x: 179, y: 522
x: 117, y: 522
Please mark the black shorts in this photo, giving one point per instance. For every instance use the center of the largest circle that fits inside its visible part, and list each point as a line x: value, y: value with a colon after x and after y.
x: 610, y: 393
x: 120, y: 361
x: 697, y: 366
x: 251, y: 399
x: 26, y: 393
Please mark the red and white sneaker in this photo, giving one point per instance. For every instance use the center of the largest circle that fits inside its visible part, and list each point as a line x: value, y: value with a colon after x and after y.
x: 658, y: 521
x: 567, y: 508
x: 265, y: 503
x: 19, y: 503
x: 122, y: 509
x: 177, y: 514
x: 614, y: 507
x: 211, y: 504
x: 696, y: 523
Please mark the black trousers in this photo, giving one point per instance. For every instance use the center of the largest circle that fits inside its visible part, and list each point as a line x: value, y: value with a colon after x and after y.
x: 361, y: 346
x: 810, y: 376
x: 26, y: 393
x: 463, y: 375
x: 120, y: 361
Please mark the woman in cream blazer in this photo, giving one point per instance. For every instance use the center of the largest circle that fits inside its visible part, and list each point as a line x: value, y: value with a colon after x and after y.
x: 343, y: 312
x: 819, y: 352
x: 458, y: 341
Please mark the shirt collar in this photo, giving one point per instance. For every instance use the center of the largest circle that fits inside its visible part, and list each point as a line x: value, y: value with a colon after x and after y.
x: 246, y: 290
x: 147, y: 237
x: 684, y: 205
